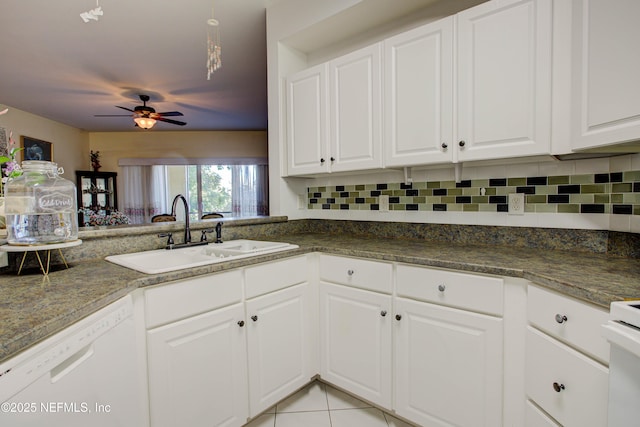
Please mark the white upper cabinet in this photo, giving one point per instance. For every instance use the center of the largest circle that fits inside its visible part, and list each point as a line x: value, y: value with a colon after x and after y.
x: 418, y: 97
x: 473, y: 86
x: 355, y: 105
x: 307, y: 131
x: 334, y: 115
x: 606, y: 72
x: 504, y: 61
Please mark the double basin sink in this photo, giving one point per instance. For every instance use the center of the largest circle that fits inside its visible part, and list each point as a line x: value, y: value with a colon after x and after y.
x: 163, y: 261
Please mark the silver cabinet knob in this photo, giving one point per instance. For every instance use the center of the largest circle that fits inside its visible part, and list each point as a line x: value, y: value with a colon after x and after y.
x: 254, y: 318
x: 350, y: 272
x: 461, y: 144
x: 383, y: 313
x: 241, y: 323
x: 444, y: 145
x: 558, y: 387
x: 442, y: 287
x: 398, y: 317
x: 322, y: 160
x: 333, y: 159
x: 560, y: 318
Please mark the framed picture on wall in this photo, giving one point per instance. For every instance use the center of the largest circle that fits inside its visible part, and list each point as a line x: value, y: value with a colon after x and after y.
x: 4, y: 147
x: 36, y: 149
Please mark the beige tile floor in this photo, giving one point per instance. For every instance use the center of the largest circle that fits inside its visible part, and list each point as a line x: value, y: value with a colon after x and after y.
x: 320, y: 405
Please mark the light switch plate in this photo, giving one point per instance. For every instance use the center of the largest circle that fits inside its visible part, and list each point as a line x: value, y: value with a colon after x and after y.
x: 302, y: 201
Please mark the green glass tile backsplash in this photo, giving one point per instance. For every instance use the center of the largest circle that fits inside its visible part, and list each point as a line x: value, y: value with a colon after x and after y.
x: 616, y: 193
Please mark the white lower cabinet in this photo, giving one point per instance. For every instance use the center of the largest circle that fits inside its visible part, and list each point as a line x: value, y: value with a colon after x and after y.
x: 570, y: 386
x: 227, y: 346
x: 197, y: 370
x: 355, y: 340
x: 279, y: 345
x: 429, y: 344
x: 566, y: 372
x: 535, y: 417
x: 448, y: 365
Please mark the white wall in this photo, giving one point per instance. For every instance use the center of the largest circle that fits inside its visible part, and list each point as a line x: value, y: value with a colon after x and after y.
x: 70, y: 145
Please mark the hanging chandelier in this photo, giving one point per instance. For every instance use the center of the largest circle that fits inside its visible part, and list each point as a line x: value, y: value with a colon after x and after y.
x: 214, y: 50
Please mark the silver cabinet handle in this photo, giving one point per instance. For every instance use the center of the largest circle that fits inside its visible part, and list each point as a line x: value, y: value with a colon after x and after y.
x: 558, y: 387
x: 241, y: 323
x: 398, y: 317
x: 444, y: 145
x: 461, y: 144
x: 442, y: 287
x: 254, y: 318
x: 560, y: 318
x: 383, y: 313
x: 322, y: 160
x: 350, y: 272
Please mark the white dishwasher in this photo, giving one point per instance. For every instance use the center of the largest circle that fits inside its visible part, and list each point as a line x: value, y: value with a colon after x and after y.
x: 83, y: 376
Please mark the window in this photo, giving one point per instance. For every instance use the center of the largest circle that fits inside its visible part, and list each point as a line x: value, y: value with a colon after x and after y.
x: 232, y: 190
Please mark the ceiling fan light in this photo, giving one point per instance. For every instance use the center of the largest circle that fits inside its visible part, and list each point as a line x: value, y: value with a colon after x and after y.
x: 145, y: 122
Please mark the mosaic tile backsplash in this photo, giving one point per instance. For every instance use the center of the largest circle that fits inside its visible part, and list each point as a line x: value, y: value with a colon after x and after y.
x: 601, y: 193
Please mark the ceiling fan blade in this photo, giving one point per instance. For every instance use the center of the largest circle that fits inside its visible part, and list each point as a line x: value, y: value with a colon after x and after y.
x: 173, y: 122
x: 125, y: 108
x: 171, y: 113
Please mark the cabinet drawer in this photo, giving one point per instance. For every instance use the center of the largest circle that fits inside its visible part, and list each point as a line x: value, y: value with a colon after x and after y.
x: 359, y: 273
x: 581, y: 328
x: 468, y: 291
x: 273, y: 276
x: 537, y: 418
x: 185, y: 298
x: 550, y: 364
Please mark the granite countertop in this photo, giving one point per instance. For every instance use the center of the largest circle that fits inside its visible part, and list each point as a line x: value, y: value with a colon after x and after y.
x: 31, y: 310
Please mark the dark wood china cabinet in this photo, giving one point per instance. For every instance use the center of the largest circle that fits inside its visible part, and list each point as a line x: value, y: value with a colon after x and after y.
x: 96, y: 191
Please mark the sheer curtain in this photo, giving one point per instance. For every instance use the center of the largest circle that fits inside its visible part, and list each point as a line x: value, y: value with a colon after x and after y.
x: 250, y: 195
x: 144, y: 192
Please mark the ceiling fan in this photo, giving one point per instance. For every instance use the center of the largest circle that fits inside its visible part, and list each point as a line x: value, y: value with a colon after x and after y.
x: 145, y: 116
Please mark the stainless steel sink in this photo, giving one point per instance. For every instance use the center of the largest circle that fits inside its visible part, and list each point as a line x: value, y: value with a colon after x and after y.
x: 163, y: 261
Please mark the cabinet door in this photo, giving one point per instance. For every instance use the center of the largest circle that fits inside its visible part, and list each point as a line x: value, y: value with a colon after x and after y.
x: 280, y: 340
x: 504, y: 80
x: 355, y: 105
x: 419, y: 95
x: 198, y: 371
x: 355, y: 331
x: 606, y: 68
x: 448, y: 366
x: 307, y: 130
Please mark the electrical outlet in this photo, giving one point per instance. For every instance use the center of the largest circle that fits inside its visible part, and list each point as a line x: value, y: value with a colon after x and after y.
x: 383, y: 203
x: 516, y: 204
